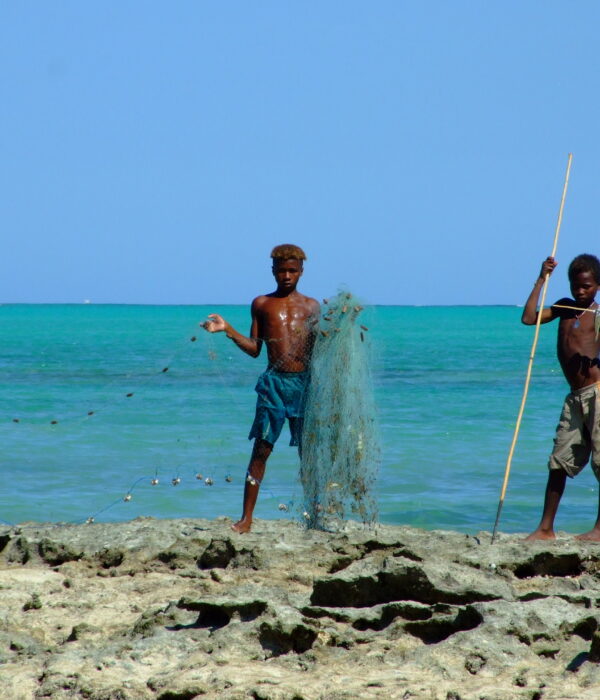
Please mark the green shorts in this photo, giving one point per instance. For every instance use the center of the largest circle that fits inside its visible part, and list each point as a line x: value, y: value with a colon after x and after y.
x: 578, y: 432
x: 280, y: 396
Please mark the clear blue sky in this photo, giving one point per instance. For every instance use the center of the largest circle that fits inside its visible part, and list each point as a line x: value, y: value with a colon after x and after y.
x: 155, y: 152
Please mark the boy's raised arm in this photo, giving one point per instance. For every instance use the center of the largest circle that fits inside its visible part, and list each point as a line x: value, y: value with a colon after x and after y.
x: 251, y: 345
x: 529, y: 316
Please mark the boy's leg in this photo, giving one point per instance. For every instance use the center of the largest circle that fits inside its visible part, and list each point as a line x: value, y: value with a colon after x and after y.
x: 554, y: 491
x: 266, y: 428
x: 296, y: 433
x: 571, y: 452
x: 255, y: 474
x: 594, y: 429
x: 594, y: 533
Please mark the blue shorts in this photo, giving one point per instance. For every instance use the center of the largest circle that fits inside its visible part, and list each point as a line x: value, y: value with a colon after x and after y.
x: 280, y: 396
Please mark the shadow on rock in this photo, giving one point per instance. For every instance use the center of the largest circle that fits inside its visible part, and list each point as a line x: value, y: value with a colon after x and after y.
x: 217, y: 615
x: 220, y: 553
x: 549, y: 564
x: 437, y: 629
x: 281, y: 639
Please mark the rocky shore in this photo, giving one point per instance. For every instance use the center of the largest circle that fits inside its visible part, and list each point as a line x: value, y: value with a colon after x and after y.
x: 181, y: 609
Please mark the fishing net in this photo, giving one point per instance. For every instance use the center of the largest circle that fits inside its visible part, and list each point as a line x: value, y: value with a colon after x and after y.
x: 340, y: 444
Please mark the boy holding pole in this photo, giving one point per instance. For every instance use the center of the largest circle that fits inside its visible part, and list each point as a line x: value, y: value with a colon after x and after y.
x: 578, y: 349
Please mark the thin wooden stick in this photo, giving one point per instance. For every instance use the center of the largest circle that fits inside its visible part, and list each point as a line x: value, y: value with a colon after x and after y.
x: 573, y: 308
x: 532, y: 354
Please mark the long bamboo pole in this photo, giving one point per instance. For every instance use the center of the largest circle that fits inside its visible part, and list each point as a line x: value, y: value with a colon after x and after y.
x: 532, y: 353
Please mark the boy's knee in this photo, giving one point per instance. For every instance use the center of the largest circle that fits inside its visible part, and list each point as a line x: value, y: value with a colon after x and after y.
x: 262, y: 448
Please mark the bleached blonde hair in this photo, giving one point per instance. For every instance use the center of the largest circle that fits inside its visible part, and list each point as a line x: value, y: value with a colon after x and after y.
x: 287, y: 251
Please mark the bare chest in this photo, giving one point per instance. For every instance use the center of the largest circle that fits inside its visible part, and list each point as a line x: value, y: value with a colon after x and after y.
x: 281, y: 317
x: 580, y: 335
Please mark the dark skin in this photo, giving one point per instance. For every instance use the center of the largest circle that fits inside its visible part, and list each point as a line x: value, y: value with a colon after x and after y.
x: 285, y: 321
x: 578, y: 352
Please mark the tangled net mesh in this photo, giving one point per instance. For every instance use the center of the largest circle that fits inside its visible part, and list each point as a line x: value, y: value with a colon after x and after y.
x: 340, y: 440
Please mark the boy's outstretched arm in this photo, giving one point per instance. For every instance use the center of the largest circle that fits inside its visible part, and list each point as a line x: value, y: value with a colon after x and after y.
x: 529, y: 316
x: 251, y: 345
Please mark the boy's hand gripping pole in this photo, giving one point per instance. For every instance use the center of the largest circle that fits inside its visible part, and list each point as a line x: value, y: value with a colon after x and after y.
x: 532, y: 353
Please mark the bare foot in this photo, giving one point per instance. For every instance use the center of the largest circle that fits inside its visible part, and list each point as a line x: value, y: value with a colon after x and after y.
x: 242, y: 526
x: 540, y: 534
x: 591, y: 536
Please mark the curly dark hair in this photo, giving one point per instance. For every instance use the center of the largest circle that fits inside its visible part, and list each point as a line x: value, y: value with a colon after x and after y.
x: 585, y: 263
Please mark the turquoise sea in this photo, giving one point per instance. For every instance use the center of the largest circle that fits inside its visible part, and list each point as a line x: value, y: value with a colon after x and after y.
x: 98, y: 401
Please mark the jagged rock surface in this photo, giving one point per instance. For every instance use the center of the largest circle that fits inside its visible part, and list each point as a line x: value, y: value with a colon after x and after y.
x: 182, y: 609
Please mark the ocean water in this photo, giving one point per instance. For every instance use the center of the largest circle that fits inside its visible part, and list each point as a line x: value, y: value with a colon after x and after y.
x: 97, y: 401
